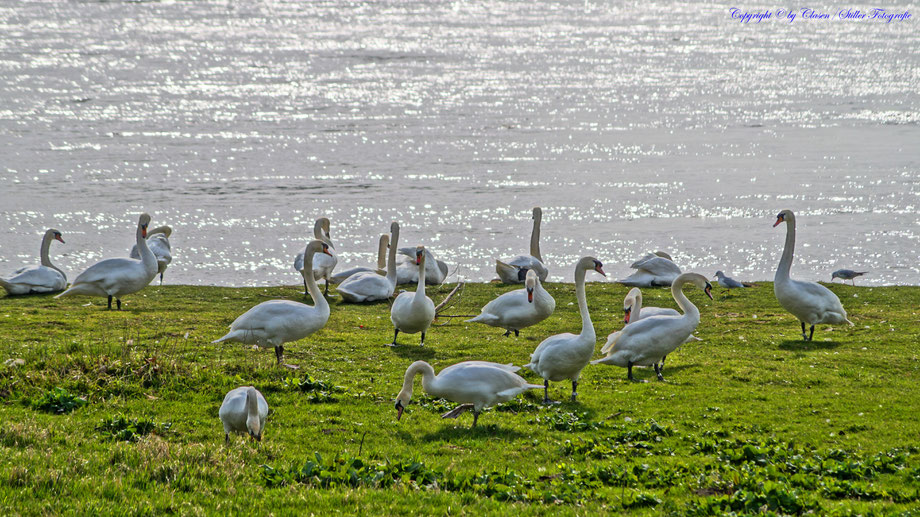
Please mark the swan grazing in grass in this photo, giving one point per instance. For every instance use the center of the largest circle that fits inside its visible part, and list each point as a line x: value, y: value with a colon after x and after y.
x: 42, y: 278
x: 474, y: 384
x: 407, y: 270
x: 243, y: 412
x: 368, y: 286
x: 653, y: 270
x: 650, y: 340
x: 413, y: 312
x: 158, y: 242
x: 276, y: 322
x: 382, y: 246
x: 322, y: 264
x: 514, y: 271
x: 117, y: 277
x: 810, y: 302
x: 519, y: 309
x: 564, y: 356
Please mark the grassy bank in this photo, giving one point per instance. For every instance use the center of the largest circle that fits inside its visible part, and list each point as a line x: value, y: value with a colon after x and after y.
x: 750, y: 419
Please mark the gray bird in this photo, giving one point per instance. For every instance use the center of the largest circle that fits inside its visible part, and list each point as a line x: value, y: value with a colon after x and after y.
x: 847, y: 274
x: 730, y: 283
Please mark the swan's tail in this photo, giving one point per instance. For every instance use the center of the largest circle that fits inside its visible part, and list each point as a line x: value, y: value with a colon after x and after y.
x: 4, y: 283
x: 233, y: 335
x: 603, y: 360
x: 72, y: 290
x: 482, y: 318
x: 611, y: 342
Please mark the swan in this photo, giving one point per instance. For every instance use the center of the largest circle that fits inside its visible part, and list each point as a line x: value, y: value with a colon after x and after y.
x: 514, y: 271
x: 382, y: 246
x: 634, y: 311
x: 645, y: 342
x: 117, y: 277
x: 42, y: 278
x: 243, y: 411
x: 413, y: 312
x: 322, y: 264
x: 474, y: 384
x: 653, y: 270
x: 276, y: 322
x: 158, y: 242
x: 518, y: 309
x: 407, y: 270
x: 368, y: 286
x: 810, y: 302
x: 564, y: 356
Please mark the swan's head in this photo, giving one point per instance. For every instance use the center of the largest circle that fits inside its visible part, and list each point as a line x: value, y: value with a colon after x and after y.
x: 253, y: 425
x: 629, y: 301
x: 419, y: 255
x: 143, y: 223
x: 537, y: 213
x: 592, y: 263
x: 326, y: 226
x: 530, y: 283
x: 394, y: 231
x: 786, y: 216
x: 55, y: 234
x: 253, y: 422
x: 402, y: 400
x: 317, y: 246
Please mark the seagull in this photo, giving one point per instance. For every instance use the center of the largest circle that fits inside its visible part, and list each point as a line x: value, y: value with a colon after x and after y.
x: 730, y: 283
x: 847, y: 274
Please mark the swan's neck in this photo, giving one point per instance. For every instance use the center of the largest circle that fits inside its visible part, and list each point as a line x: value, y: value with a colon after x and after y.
x: 420, y: 290
x: 636, y: 308
x: 587, y: 328
x: 427, y: 379
x: 382, y: 252
x: 677, y: 291
x: 391, y: 258
x: 785, y: 263
x: 252, y: 411
x: 319, y: 301
x: 535, y: 239
x: 147, y: 256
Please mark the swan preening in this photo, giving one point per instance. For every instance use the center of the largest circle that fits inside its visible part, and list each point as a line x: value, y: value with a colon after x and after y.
x: 519, y: 309
x: 407, y: 270
x: 514, y: 271
x: 243, y: 412
x: 276, y: 322
x: 474, y: 384
x: 369, y: 286
x: 653, y: 270
x: 44, y: 277
x: 847, y: 274
x: 322, y: 264
x: 117, y: 277
x: 564, y: 356
x: 810, y: 302
x: 158, y: 242
x: 413, y: 312
x: 382, y: 246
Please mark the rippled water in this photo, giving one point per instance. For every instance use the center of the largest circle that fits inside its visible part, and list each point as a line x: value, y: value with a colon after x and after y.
x: 637, y: 126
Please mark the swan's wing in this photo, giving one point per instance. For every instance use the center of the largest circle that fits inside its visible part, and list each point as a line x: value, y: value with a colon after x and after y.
x: 366, y: 285
x: 38, y: 276
x: 638, y: 264
x: 273, y: 316
x: 820, y: 300
x: 640, y: 278
x: 134, y: 253
x: 659, y: 266
x: 110, y: 272
x: 648, y: 312
x: 298, y: 262
x: 508, y: 367
x: 160, y: 248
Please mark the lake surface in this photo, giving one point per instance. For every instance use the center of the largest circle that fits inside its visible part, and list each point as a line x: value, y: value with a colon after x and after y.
x: 637, y: 126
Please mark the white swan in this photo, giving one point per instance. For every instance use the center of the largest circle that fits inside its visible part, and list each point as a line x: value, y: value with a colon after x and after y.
x: 324, y: 263
x: 158, y: 242
x: 382, y: 246
x: 653, y: 270
x: 650, y: 340
x: 413, y: 312
x: 564, y: 356
x: 513, y: 271
x: 407, y: 270
x: 276, y: 322
x: 518, y: 309
x: 42, y: 278
x: 475, y: 384
x: 117, y: 277
x: 810, y: 302
x: 634, y: 311
x: 368, y: 286
x: 243, y: 412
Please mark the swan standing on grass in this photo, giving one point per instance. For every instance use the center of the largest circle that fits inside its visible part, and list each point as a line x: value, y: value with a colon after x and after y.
x: 243, y: 412
x: 384, y: 242
x: 653, y: 270
x: 650, y: 340
x: 413, y: 312
x: 369, y: 287
x: 407, y: 270
x: 276, y: 322
x: 42, y: 278
x: 810, y: 302
x: 322, y: 264
x: 514, y: 271
x: 518, y: 309
x: 564, y: 356
x: 158, y: 242
x: 475, y: 384
x: 117, y: 277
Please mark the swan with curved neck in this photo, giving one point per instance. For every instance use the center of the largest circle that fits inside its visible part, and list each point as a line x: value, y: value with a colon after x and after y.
x: 243, y: 411
x: 650, y: 340
x: 564, y: 356
x: 117, y: 277
x: 413, y: 312
x: 158, y: 242
x: 382, y: 246
x: 322, y: 264
x: 810, y: 302
x: 42, y: 278
x: 474, y: 384
x: 519, y: 309
x: 368, y: 286
x: 634, y: 311
x: 276, y: 322
x: 407, y: 270
x: 514, y: 271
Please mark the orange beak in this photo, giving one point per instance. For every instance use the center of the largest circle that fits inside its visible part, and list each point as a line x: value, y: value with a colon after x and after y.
x: 530, y: 296
x: 626, y: 318
x: 399, y: 412
x: 600, y: 270
x: 144, y: 232
x: 778, y: 220
x: 58, y: 238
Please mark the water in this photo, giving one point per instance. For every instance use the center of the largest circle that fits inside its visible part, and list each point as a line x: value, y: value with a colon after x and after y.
x: 637, y: 127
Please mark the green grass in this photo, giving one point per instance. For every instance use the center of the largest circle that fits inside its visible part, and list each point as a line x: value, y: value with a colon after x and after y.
x: 752, y: 419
